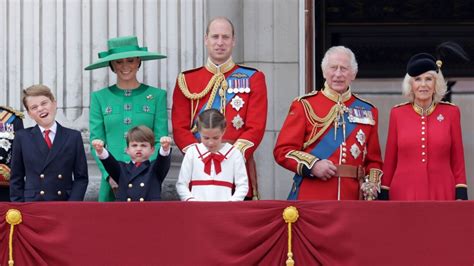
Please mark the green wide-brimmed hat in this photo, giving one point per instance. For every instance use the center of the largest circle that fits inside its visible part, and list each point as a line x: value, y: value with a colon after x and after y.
x: 123, y: 47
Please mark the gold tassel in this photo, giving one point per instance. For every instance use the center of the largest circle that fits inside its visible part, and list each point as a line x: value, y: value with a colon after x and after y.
x: 290, y: 215
x: 13, y: 217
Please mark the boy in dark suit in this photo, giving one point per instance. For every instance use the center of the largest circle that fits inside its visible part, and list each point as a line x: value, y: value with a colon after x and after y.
x: 139, y: 180
x: 48, y: 162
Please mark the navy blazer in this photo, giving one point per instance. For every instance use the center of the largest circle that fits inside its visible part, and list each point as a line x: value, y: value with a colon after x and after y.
x: 141, y: 183
x: 43, y: 174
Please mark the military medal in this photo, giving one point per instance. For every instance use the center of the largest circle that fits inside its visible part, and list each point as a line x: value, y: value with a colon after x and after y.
x: 360, y: 116
x: 355, y: 151
x: 440, y: 118
x: 237, y: 103
x: 149, y: 97
x: 237, y: 122
x: 360, y: 137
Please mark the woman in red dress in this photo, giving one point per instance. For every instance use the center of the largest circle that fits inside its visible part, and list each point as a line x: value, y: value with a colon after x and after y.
x: 424, y: 157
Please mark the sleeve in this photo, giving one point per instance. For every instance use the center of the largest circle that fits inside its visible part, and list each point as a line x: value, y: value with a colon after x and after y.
x: 181, y: 120
x: 17, y: 177
x: 113, y: 167
x: 185, y: 176
x: 373, y: 159
x: 288, y: 151
x: 81, y: 176
x: 240, y: 178
x: 457, y: 156
x: 391, y: 154
x: 18, y: 123
x: 256, y: 117
x: 162, y: 165
x: 161, y: 118
x: 97, y: 130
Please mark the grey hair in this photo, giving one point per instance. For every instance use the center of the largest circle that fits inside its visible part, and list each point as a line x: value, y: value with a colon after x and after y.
x: 439, y: 91
x: 340, y: 49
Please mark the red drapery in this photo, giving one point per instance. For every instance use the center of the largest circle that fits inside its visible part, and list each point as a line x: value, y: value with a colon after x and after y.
x: 241, y: 233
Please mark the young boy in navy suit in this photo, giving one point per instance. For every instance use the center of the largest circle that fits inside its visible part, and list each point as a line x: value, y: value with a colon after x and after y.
x: 48, y: 162
x: 139, y: 180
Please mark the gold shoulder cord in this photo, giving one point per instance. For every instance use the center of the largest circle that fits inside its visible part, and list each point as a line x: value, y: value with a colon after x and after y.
x: 216, y: 81
x: 318, y: 123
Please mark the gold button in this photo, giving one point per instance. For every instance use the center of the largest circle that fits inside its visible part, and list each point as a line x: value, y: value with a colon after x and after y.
x: 129, y: 199
x: 423, y: 153
x: 423, y: 160
x: 130, y: 185
x: 59, y: 192
x: 60, y: 176
x: 142, y: 199
x: 344, y: 144
x: 423, y: 146
x: 344, y: 155
x: 423, y: 122
x: 41, y: 192
x: 422, y: 132
x: 422, y: 128
x: 422, y: 117
x: 42, y: 176
x: 422, y: 139
x: 344, y: 149
x: 343, y: 160
x: 142, y: 184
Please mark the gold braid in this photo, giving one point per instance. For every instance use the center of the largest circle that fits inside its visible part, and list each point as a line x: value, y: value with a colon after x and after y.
x: 318, y: 122
x: 218, y: 80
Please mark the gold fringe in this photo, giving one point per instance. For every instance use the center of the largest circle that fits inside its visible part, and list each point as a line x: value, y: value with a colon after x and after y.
x: 290, y: 215
x: 13, y: 217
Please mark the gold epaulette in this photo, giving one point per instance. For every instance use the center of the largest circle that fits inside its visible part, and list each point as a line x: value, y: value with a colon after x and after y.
x: 401, y: 104
x: 299, y: 98
x: 364, y: 100
x: 443, y: 102
x: 11, y: 110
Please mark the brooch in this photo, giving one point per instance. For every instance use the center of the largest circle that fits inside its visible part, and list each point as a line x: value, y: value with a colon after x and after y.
x: 355, y: 151
x: 440, y: 118
x: 149, y: 97
x: 237, y: 122
x: 237, y: 103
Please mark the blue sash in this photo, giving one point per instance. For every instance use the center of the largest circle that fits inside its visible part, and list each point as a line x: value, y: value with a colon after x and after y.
x: 216, y: 104
x: 328, y: 145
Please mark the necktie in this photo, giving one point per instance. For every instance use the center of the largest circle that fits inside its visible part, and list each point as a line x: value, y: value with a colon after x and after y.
x: 217, y: 158
x: 47, y: 139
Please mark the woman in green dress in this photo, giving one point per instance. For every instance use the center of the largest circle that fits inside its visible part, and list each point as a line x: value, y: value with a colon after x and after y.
x: 128, y: 103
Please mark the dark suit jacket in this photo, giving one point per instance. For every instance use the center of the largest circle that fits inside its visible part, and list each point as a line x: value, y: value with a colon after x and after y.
x: 43, y: 174
x: 141, y: 183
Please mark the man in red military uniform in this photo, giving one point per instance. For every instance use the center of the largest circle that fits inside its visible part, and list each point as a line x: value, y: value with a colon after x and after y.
x: 330, y: 139
x: 239, y: 92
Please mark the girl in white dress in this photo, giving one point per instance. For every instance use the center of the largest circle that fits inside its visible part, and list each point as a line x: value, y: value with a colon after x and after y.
x: 212, y: 170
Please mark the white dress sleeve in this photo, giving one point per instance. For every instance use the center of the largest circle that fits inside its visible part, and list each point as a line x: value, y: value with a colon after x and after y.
x: 185, y: 176
x: 240, y: 177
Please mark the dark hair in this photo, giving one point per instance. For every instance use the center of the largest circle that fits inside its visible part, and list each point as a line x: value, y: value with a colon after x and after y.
x: 211, y: 118
x: 112, y: 67
x: 36, y: 90
x: 220, y: 18
x: 141, y: 134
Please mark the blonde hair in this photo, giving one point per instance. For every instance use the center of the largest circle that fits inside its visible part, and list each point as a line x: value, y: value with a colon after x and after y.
x: 439, y: 91
x: 36, y: 90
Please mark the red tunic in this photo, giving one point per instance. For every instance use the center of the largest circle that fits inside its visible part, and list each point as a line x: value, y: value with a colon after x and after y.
x: 424, y: 157
x: 297, y: 129
x: 253, y: 112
